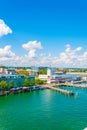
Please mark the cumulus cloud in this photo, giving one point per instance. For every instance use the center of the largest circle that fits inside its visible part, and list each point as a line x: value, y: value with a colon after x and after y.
x: 68, y: 58
x: 31, y: 47
x: 78, y: 48
x: 4, y: 29
x: 32, y: 53
x: 68, y: 48
x: 6, y: 52
x: 7, y: 57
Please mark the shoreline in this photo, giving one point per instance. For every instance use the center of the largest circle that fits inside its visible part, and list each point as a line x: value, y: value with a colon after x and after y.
x: 17, y: 90
x: 20, y: 90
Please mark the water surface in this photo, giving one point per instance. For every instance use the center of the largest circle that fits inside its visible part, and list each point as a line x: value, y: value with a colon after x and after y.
x: 44, y: 110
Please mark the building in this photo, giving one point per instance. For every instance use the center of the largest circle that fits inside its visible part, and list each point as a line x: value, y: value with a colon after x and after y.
x: 59, y: 77
x: 6, y: 71
x: 17, y: 79
x: 47, y: 76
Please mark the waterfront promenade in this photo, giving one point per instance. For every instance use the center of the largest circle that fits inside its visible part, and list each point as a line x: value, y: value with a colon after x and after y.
x: 67, y: 84
x: 73, y: 85
x: 53, y: 87
x: 62, y: 91
x: 78, y: 84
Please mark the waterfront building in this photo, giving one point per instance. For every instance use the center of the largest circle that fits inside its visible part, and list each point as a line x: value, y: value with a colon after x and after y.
x: 58, y: 77
x: 47, y: 76
x: 82, y: 75
x: 32, y: 72
x: 17, y: 79
x: 42, y: 76
x: 7, y: 71
x: 10, y: 72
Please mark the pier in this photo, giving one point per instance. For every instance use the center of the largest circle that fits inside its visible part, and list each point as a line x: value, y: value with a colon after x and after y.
x: 62, y: 91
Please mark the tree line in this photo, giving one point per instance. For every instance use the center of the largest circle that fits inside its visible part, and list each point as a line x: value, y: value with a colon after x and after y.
x: 6, y: 86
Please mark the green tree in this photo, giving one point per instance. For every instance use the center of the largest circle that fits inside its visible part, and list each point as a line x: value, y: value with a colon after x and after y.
x: 26, y: 83
x: 22, y: 72
x: 11, y: 84
x: 65, y: 71
x: 44, y: 71
x: 38, y: 81
x: 3, y: 85
x: 2, y: 66
x: 32, y: 82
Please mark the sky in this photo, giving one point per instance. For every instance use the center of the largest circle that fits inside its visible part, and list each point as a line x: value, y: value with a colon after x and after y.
x: 43, y: 33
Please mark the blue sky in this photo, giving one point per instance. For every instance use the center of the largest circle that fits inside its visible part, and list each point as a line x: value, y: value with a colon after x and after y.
x: 54, y: 23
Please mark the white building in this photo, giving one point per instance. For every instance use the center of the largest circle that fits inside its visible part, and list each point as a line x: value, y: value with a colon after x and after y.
x: 61, y: 77
x: 42, y: 76
x: 47, y: 76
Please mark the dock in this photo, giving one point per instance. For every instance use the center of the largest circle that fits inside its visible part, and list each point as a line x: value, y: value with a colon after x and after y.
x: 62, y: 91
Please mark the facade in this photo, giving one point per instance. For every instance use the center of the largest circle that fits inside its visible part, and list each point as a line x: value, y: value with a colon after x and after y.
x: 32, y: 72
x: 60, y: 77
x: 82, y: 75
x: 47, y: 76
x: 18, y: 80
x: 42, y: 76
x: 66, y: 77
x: 11, y: 74
x: 5, y: 71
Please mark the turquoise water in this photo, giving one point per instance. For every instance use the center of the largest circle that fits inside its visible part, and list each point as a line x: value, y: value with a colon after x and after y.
x: 44, y: 110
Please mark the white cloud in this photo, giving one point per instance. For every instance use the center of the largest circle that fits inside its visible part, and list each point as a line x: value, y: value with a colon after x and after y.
x: 4, y: 29
x: 68, y: 58
x: 6, y: 52
x: 68, y: 48
x: 32, y: 53
x: 7, y: 57
x: 78, y: 48
x: 31, y: 47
